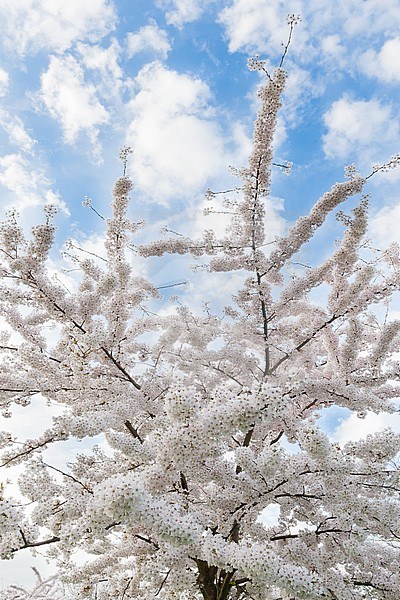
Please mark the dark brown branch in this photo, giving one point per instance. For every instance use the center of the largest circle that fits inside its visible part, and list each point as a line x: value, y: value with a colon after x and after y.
x: 247, y: 506
x: 306, y: 341
x: 147, y: 540
x: 70, y: 477
x: 248, y: 436
x: 111, y: 525
x: 162, y: 583
x: 28, y: 451
x: 278, y: 437
x: 257, y: 272
x: 246, y: 443
x: 82, y: 330
x: 228, y: 375
x: 242, y: 581
x: 370, y: 584
x: 284, y: 536
x: 133, y: 431
x: 121, y: 368
x: 333, y: 530
x: 234, y: 532
x: 28, y: 544
x: 299, y: 495
x: 126, y: 588
x: 183, y: 481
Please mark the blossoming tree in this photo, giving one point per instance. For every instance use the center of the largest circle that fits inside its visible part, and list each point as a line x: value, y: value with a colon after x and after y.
x: 198, y: 410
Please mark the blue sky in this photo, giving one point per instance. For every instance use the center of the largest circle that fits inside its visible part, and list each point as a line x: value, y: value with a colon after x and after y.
x: 79, y: 80
x: 169, y: 78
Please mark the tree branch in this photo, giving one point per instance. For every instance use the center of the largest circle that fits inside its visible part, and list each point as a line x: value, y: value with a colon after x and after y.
x: 305, y: 342
x: 28, y: 544
x: 133, y: 431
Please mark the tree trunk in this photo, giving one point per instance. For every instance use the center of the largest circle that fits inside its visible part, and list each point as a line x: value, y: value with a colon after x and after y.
x: 206, y: 580
x: 214, y: 584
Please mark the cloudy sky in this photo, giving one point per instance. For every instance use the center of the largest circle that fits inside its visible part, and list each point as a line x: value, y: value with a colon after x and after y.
x: 78, y: 80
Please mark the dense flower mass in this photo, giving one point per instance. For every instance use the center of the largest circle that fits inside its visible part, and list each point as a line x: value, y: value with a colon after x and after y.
x: 207, y: 421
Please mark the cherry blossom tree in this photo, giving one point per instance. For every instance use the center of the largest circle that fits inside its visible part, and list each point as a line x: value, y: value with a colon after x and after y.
x: 209, y: 420
x: 43, y: 590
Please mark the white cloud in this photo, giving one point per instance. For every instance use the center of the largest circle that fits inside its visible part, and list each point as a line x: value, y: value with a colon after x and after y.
x: 269, y: 516
x: 180, y: 12
x: 384, y: 226
x: 385, y: 64
x: 17, y: 134
x: 300, y: 89
x: 206, y: 287
x: 177, y: 145
x: 350, y: 17
x: 345, y: 30
x: 34, y: 25
x: 366, y: 18
x: 16, y: 177
x: 102, y: 59
x: 72, y: 101
x: 356, y: 128
x: 354, y: 428
x: 4, y: 81
x: 104, y: 62
x: 335, y: 53
x: 243, y: 142
x: 19, y: 570
x: 259, y: 25
x: 29, y: 186
x: 148, y: 38
x: 337, y: 31
x: 331, y: 44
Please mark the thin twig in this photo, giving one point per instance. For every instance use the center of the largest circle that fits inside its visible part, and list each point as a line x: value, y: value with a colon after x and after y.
x: 68, y: 475
x: 28, y: 544
x: 162, y: 583
x: 287, y: 44
x: 163, y: 287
